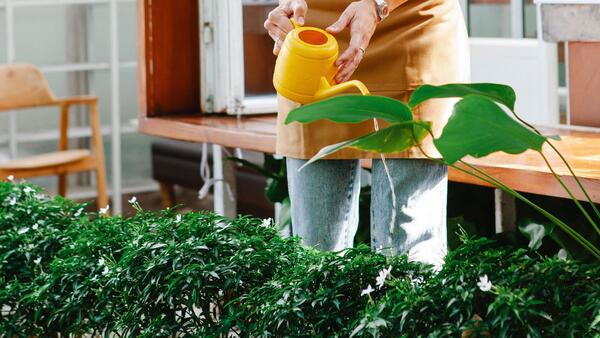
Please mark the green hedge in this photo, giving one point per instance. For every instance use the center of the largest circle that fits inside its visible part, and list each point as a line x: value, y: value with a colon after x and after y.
x: 202, y: 275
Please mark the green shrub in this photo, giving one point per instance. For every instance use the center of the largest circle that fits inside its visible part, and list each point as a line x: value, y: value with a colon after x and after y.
x: 203, y: 275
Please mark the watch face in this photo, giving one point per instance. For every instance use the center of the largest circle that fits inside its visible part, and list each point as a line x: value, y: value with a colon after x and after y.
x: 383, y: 9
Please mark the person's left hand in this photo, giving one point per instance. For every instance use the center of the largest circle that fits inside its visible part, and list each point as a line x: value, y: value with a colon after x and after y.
x: 361, y: 18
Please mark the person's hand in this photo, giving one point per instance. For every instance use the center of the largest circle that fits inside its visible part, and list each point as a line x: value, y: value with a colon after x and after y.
x: 361, y: 18
x: 278, y: 23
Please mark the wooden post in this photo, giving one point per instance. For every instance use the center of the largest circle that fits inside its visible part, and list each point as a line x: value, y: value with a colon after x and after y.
x: 584, y: 83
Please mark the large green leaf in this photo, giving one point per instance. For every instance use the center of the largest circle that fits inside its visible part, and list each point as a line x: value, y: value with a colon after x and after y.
x: 478, y: 127
x: 500, y: 93
x: 352, y: 109
x: 393, y: 139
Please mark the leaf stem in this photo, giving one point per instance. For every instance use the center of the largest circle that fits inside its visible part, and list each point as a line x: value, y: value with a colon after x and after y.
x: 562, y: 183
x: 570, y: 231
x: 482, y: 175
x: 564, y: 160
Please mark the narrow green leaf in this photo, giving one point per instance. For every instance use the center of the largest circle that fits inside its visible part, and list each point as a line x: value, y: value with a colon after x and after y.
x: 352, y: 109
x: 497, y: 92
x: 479, y: 127
x: 393, y: 139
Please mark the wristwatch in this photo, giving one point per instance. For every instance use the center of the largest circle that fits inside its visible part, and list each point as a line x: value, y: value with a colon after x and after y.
x: 383, y: 10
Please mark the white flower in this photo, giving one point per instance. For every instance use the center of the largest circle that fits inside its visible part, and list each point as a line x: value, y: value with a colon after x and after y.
x: 101, y: 261
x: 132, y: 200
x: 266, y: 222
x: 28, y: 190
x: 178, y: 218
x: 10, y: 178
x: 104, y: 211
x: 367, y: 291
x: 38, y: 260
x: 78, y: 213
x: 562, y: 254
x: 105, y: 271
x: 12, y: 201
x: 383, y: 275
x: 35, y: 226
x: 484, y: 283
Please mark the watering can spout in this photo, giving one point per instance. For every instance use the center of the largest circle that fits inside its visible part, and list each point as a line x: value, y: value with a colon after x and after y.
x: 326, y: 90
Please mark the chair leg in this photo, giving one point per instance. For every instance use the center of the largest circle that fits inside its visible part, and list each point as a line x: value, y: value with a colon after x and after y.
x: 167, y: 194
x: 62, y: 185
x: 101, y: 187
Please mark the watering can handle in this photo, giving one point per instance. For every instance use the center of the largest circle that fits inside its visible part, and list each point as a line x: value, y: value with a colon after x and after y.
x: 326, y: 90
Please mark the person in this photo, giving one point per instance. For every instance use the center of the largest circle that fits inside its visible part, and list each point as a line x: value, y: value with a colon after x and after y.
x: 393, y: 47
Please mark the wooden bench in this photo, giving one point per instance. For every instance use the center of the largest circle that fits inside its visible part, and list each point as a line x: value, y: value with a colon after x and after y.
x: 526, y: 172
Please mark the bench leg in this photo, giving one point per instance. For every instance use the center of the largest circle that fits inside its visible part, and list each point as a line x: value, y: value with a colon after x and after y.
x: 506, y: 211
x: 101, y: 187
x: 62, y: 185
x: 167, y: 194
x: 224, y: 175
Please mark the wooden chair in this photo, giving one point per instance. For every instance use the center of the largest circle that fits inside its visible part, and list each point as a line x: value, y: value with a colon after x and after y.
x: 24, y: 86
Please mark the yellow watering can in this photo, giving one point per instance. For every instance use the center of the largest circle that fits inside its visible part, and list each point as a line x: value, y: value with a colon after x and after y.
x: 305, y: 67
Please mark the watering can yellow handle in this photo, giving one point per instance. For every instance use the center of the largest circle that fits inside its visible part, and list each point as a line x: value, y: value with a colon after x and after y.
x: 326, y: 90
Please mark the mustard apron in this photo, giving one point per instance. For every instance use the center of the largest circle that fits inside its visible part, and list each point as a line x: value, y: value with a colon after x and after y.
x: 421, y: 42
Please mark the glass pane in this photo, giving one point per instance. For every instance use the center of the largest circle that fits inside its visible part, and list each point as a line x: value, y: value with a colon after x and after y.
x: 99, y: 32
x: 530, y: 19
x: 489, y: 18
x: 40, y: 34
x: 127, y: 31
x: 100, y: 86
x: 135, y: 159
x: 36, y: 148
x: 46, y: 119
x: 259, y: 60
x: 99, y: 45
x: 2, y: 36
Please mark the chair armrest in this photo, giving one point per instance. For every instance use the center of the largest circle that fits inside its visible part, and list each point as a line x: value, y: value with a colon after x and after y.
x: 78, y: 100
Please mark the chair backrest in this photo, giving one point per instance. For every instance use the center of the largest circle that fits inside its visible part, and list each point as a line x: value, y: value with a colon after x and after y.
x: 528, y: 65
x: 22, y: 86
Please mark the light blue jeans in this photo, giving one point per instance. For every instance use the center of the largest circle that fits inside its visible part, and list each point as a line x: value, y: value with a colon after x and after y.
x: 324, y: 199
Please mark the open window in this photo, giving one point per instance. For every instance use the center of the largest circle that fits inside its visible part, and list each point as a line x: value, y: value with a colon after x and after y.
x: 236, y: 58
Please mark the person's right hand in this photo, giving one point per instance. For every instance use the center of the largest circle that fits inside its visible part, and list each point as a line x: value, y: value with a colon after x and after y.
x: 278, y: 23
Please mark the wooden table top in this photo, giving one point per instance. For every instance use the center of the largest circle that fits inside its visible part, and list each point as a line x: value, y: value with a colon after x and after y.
x: 525, y: 172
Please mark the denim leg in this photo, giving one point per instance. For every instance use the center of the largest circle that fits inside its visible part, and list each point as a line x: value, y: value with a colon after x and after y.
x: 421, y: 188
x: 324, y: 199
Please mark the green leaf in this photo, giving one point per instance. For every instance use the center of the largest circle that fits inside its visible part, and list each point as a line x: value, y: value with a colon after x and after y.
x: 393, y: 139
x: 479, y: 127
x: 497, y: 92
x: 535, y: 232
x: 352, y: 109
x: 276, y: 189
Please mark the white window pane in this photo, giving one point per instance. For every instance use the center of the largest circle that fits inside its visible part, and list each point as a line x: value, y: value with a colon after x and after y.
x: 530, y: 17
x: 44, y: 119
x: 2, y: 36
x: 36, y: 148
x: 135, y: 161
x: 127, y: 31
x: 128, y: 89
x: 40, y: 35
x: 99, y: 44
x: 489, y: 18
